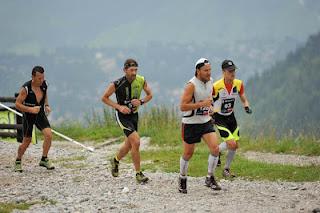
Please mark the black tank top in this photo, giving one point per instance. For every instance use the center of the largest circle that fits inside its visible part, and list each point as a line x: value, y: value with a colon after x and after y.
x: 31, y: 99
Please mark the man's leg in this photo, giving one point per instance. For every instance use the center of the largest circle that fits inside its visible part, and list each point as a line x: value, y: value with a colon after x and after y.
x: 124, y: 149
x: 232, y: 147
x: 21, y: 150
x: 188, y: 150
x: 134, y: 141
x: 23, y: 147
x: 212, y: 142
x: 222, y: 147
x: 47, y: 134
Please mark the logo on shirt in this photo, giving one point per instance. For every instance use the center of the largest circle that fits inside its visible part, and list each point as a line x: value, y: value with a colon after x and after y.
x: 224, y: 93
x: 234, y: 90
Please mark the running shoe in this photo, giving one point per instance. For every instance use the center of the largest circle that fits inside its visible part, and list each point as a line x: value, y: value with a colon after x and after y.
x: 183, y: 185
x: 46, y: 163
x: 17, y: 166
x: 114, y: 167
x: 141, y: 178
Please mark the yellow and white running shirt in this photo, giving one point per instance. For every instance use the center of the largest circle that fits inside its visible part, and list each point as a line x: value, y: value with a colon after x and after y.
x: 224, y: 95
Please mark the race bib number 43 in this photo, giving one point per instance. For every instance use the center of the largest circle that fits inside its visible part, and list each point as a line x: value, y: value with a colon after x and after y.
x: 227, y: 105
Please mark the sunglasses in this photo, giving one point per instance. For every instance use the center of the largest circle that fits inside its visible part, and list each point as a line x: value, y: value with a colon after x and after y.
x: 130, y: 65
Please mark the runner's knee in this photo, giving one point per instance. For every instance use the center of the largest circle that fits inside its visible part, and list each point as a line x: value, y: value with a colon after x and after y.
x: 47, y: 137
x: 135, y: 144
x: 215, y: 150
x: 187, y: 154
x: 232, y: 145
x: 26, y: 141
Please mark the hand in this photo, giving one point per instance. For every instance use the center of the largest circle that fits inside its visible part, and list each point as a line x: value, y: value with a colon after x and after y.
x: 135, y: 102
x: 47, y: 109
x: 211, y: 110
x: 248, y: 110
x: 35, y: 109
x: 124, y: 110
x: 206, y: 103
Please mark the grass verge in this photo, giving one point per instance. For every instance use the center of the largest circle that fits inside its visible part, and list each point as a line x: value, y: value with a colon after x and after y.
x: 9, y: 207
x: 167, y: 160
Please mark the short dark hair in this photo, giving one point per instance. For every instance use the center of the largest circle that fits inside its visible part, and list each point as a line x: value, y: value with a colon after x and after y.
x: 130, y: 63
x: 37, y: 69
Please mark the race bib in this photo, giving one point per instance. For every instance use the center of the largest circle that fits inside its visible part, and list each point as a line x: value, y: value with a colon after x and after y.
x: 203, y: 111
x: 227, y: 105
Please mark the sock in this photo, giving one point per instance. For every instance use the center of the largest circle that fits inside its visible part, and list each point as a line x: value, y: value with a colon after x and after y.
x: 44, y: 158
x: 18, y: 159
x: 230, y: 157
x: 116, y: 158
x: 137, y: 172
x: 222, y: 146
x: 212, y: 164
x: 183, y: 166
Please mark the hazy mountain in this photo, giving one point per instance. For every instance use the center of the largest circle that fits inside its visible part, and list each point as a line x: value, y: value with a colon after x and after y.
x: 29, y: 26
x: 82, y: 44
x: 285, y: 98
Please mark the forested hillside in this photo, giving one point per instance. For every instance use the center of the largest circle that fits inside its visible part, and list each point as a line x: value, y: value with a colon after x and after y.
x: 286, y: 97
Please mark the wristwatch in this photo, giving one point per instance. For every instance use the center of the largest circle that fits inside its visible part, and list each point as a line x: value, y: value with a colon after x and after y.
x: 141, y: 101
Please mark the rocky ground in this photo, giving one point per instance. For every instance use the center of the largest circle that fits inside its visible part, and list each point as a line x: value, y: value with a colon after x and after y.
x: 81, y: 182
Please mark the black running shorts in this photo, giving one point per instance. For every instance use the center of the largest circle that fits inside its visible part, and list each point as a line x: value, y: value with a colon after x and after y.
x: 227, y: 125
x: 192, y: 133
x: 127, y: 122
x: 40, y: 120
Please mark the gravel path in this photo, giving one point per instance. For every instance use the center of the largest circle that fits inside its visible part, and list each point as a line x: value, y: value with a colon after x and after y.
x: 82, y: 183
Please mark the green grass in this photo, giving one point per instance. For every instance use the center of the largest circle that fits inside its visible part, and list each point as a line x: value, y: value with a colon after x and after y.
x: 167, y: 160
x: 70, y: 159
x: 309, y: 146
x: 9, y: 207
x: 74, y: 166
x: 162, y: 124
x: 96, y: 133
x: 68, y: 162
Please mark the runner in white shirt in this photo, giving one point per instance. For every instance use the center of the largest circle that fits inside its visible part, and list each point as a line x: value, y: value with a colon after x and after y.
x: 197, y: 123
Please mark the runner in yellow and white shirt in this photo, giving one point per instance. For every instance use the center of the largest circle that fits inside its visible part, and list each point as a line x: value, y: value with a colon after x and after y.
x: 225, y: 91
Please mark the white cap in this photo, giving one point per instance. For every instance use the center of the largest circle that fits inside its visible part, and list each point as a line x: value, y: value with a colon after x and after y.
x: 201, y: 61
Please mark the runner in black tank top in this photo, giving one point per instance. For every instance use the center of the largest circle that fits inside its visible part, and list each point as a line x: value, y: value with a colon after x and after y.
x: 128, y: 90
x: 32, y: 101
x: 29, y: 119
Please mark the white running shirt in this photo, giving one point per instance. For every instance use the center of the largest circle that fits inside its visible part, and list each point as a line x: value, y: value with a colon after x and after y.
x: 202, y: 91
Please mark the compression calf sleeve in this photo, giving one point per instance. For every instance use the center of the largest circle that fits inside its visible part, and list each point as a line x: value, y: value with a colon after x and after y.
x: 230, y: 156
x: 212, y: 163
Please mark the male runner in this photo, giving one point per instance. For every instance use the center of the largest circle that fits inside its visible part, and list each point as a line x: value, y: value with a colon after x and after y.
x: 196, y: 103
x: 225, y: 92
x: 33, y: 102
x: 128, y: 90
